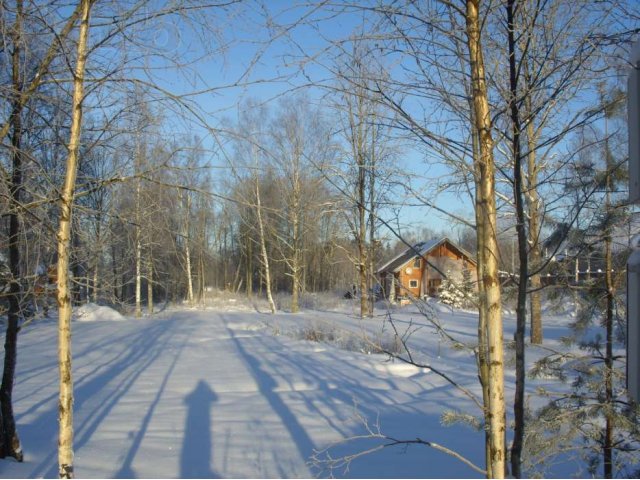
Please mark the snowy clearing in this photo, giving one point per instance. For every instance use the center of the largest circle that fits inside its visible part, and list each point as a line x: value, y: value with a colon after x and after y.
x: 218, y: 393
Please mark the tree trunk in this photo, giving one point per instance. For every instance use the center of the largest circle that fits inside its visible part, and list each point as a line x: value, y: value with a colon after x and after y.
x: 65, y: 409
x: 95, y: 282
x: 202, y: 288
x: 487, y: 243
x: 295, y: 287
x: 482, y: 356
x: 608, y: 446
x: 249, y: 267
x: 533, y: 208
x: 362, y: 236
x: 609, y: 420
x: 150, y: 284
x: 114, y: 269
x: 138, y: 235
x: 187, y: 251
x: 263, y: 249
x: 138, y: 273
x: 483, y: 352
x: 372, y: 230
x: 521, y: 303
x: 10, y: 442
x: 295, y: 243
x: 535, y: 254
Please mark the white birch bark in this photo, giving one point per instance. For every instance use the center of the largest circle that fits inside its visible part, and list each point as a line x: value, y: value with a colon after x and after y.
x: 263, y: 249
x: 150, y: 285
x: 187, y: 251
x: 65, y: 410
x: 490, y: 302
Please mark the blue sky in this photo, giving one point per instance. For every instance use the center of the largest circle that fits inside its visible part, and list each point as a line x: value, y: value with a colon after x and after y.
x: 274, y: 70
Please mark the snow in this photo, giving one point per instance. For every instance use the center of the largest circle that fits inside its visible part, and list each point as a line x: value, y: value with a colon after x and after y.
x: 91, y: 312
x: 230, y: 391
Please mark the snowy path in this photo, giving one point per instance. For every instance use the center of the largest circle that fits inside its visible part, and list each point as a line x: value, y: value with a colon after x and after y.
x: 202, y: 394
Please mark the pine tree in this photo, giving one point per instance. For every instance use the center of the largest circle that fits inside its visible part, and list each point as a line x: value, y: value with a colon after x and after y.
x: 594, y: 416
x: 451, y: 292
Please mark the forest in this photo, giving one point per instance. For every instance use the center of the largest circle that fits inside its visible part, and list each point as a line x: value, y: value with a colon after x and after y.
x: 156, y: 153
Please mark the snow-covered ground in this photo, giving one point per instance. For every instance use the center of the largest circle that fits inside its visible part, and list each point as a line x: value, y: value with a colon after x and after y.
x: 232, y: 391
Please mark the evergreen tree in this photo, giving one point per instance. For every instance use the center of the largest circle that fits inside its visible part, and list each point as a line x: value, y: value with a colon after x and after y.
x: 594, y: 417
x: 451, y: 292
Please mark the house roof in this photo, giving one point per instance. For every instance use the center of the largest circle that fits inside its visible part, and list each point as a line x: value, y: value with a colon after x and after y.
x: 419, y: 249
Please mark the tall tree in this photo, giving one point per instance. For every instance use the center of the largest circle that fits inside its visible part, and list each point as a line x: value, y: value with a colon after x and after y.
x: 65, y: 415
x: 487, y: 245
x: 300, y: 140
x: 523, y: 271
x: 9, y: 441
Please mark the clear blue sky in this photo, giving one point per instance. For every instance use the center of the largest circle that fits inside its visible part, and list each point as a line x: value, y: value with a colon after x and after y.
x: 274, y: 70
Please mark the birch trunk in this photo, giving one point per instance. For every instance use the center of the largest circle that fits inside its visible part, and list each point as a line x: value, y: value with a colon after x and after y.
x: 483, y: 353
x: 65, y: 410
x: 150, y: 284
x: 296, y: 268
x: 362, y: 230
x: 138, y: 270
x: 263, y: 249
x: 372, y: 226
x: 487, y: 243
x: 188, y: 251
x: 96, y: 276
x: 138, y: 235
x: 533, y: 208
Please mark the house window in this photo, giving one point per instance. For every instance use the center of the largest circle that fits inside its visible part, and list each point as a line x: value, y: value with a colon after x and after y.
x: 416, y: 263
x: 413, y: 283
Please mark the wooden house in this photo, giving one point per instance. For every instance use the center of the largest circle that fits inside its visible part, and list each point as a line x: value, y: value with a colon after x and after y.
x: 418, y: 271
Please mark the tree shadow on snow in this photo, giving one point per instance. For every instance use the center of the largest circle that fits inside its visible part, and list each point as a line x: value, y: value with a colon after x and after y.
x: 98, y: 391
x: 267, y: 386
x: 127, y: 470
x: 379, y: 398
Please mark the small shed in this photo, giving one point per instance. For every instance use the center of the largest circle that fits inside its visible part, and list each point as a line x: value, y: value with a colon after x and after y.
x: 419, y: 270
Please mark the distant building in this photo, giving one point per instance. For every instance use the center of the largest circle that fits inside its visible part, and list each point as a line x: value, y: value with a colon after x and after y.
x: 418, y: 271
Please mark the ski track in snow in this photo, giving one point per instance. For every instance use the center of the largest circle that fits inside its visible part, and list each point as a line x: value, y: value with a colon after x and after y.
x: 209, y: 394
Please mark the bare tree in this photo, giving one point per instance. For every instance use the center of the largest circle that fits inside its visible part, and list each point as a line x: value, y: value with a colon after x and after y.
x: 251, y: 153
x: 9, y: 441
x: 361, y: 182
x: 65, y: 440
x: 299, y: 140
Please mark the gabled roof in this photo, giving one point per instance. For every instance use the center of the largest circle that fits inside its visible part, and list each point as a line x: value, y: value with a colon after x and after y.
x: 419, y: 249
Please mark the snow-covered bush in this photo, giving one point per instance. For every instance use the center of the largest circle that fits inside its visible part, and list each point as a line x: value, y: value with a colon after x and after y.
x: 450, y: 292
x: 458, y: 291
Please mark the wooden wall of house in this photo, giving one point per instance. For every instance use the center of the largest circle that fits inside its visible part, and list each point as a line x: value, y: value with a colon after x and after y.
x: 408, y: 273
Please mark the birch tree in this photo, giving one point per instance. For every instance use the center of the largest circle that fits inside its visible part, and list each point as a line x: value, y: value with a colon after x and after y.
x: 362, y: 178
x: 251, y: 147
x: 299, y: 140
x: 65, y: 416
x: 486, y: 229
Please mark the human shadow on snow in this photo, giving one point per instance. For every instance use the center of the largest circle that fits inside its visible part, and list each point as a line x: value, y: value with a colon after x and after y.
x: 197, y: 450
